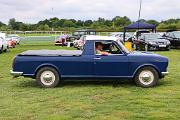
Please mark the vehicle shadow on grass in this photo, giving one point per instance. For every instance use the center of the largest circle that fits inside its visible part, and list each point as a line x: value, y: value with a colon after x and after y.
x: 89, y: 83
x: 80, y: 83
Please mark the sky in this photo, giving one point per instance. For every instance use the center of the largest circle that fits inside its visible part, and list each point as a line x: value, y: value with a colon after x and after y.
x: 32, y: 11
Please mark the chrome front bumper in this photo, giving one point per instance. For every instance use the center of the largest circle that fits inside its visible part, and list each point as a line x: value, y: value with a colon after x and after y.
x: 164, y: 73
x: 16, y: 74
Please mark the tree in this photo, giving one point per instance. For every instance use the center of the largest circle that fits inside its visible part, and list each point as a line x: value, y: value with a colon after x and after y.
x: 154, y: 22
x: 52, y: 22
x: 2, y: 24
x: 23, y: 27
x: 4, y: 28
x: 46, y: 27
x: 60, y: 23
x: 88, y: 23
x: 12, y: 24
x: 121, y: 21
x: 141, y: 20
x: 80, y: 23
x: 43, y: 27
x: 69, y: 23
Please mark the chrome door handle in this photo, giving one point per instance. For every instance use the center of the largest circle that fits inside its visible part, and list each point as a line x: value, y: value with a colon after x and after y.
x: 97, y: 58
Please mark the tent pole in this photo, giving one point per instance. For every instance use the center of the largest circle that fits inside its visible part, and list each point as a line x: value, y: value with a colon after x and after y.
x: 124, y: 35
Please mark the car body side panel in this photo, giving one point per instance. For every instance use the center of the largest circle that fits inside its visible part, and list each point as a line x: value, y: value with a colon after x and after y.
x: 82, y: 65
x: 138, y: 61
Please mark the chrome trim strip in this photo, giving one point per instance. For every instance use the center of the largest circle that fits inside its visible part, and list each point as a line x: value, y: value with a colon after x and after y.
x: 16, y: 74
x: 164, y: 73
x: 94, y: 76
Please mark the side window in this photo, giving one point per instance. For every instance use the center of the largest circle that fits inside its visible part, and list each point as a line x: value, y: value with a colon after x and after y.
x: 142, y: 37
x: 2, y: 39
x: 167, y: 34
x: 173, y: 35
x: 106, y: 48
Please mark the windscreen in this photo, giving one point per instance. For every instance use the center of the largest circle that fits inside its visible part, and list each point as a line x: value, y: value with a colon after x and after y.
x: 177, y: 34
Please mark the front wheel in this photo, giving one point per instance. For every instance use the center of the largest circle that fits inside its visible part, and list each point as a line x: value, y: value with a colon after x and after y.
x: 146, y: 77
x: 47, y: 77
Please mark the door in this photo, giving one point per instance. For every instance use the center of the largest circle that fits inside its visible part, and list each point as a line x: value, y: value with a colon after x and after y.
x: 113, y: 64
x: 76, y: 66
x: 170, y: 37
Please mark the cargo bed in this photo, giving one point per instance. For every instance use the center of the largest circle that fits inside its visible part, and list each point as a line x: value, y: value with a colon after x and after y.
x: 52, y: 53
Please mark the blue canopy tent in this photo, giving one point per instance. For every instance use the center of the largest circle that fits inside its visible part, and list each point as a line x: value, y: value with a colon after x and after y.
x: 139, y: 25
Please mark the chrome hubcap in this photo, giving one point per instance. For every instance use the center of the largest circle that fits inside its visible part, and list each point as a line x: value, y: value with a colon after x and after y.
x: 146, y: 77
x: 47, y: 78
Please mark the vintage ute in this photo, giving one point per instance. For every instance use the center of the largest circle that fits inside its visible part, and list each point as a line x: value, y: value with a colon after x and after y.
x: 49, y: 67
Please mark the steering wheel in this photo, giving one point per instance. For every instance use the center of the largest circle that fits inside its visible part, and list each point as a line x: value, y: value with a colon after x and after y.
x: 112, y: 51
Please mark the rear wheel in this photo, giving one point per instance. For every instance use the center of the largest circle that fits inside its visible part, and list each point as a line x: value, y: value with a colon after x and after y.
x: 146, y: 77
x: 6, y: 49
x: 1, y: 50
x: 146, y: 47
x: 135, y: 47
x: 47, y: 77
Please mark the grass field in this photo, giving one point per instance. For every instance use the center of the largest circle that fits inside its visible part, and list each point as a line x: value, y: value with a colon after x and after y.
x: 22, y: 99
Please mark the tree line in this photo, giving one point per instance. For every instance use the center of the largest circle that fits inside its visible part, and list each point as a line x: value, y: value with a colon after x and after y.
x: 102, y: 24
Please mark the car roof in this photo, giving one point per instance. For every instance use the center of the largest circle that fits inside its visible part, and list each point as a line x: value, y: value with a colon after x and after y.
x: 176, y: 31
x: 13, y: 35
x: 150, y: 34
x: 86, y: 30
x: 117, y: 33
x: 98, y: 37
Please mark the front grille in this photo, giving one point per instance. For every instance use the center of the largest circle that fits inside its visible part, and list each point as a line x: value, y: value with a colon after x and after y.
x: 161, y: 43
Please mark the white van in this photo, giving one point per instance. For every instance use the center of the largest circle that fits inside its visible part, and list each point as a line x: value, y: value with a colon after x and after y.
x: 3, y: 43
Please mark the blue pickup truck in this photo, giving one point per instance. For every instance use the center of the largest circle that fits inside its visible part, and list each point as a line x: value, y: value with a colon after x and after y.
x: 49, y: 67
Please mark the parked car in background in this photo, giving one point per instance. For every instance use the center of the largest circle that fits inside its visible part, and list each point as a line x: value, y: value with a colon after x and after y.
x: 15, y: 38
x: 78, y: 33
x: 49, y: 67
x: 65, y: 40
x: 139, y: 32
x: 3, y: 45
x: 120, y: 35
x: 80, y: 43
x: 173, y: 37
x: 151, y: 41
x: 11, y: 43
x: 61, y: 40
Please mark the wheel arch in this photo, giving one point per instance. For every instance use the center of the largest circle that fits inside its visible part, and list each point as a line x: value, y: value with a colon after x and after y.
x: 47, y: 65
x: 147, y: 65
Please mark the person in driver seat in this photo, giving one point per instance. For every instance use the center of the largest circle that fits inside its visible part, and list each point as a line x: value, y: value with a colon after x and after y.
x: 99, y: 49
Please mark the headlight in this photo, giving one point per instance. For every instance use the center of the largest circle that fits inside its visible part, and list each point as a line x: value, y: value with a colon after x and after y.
x: 168, y: 42
x: 152, y: 43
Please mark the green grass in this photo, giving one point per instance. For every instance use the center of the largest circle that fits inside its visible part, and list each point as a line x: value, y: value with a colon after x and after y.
x: 33, y: 34
x: 22, y: 99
